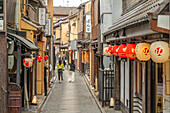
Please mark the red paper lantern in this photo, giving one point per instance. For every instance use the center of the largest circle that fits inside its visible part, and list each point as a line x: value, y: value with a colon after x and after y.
x: 71, y: 51
x: 39, y: 58
x: 46, y: 57
x: 114, y: 50
x: 130, y: 51
x: 122, y: 51
x: 110, y: 48
x: 28, y: 62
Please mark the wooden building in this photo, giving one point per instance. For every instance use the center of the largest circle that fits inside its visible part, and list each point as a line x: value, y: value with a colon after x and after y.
x: 136, y: 83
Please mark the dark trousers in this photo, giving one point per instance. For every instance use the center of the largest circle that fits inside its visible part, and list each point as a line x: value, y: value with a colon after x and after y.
x: 60, y: 74
x: 64, y: 63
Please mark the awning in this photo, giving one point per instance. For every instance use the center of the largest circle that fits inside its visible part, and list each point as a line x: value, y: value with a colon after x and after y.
x: 136, y: 15
x: 64, y: 46
x: 23, y: 41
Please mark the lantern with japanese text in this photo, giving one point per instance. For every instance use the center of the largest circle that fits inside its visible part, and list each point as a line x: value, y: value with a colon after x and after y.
x: 71, y: 51
x: 159, y: 51
x: 130, y: 51
x: 142, y: 51
x: 106, y: 52
x: 122, y: 51
x: 28, y: 62
x: 39, y: 58
x: 46, y: 57
x: 110, y: 49
x: 114, y: 50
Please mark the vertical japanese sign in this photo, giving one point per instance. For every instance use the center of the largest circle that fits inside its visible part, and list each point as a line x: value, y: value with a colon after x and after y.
x: 48, y: 27
x: 42, y: 16
x: 88, y: 23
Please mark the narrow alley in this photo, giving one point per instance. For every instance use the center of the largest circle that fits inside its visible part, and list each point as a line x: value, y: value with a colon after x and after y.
x: 67, y: 97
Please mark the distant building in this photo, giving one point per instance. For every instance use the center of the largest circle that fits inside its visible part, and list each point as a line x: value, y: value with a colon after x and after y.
x: 60, y: 12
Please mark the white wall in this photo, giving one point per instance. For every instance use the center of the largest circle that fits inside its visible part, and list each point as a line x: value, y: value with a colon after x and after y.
x: 106, y: 16
x: 116, y: 10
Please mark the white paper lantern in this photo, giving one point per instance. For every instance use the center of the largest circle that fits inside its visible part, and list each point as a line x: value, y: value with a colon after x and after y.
x: 106, y: 52
x: 142, y: 51
x: 159, y: 51
x: 28, y: 62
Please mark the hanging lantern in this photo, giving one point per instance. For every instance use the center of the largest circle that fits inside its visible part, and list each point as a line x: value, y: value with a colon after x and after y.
x: 159, y: 51
x: 28, y: 62
x: 114, y: 50
x: 130, y: 51
x: 39, y: 58
x: 71, y: 51
x: 46, y: 57
x: 122, y: 51
x: 142, y: 51
x: 110, y: 48
x: 106, y: 52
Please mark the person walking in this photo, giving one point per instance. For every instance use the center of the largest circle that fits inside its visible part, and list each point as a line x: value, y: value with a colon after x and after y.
x: 60, y: 69
x: 72, y: 68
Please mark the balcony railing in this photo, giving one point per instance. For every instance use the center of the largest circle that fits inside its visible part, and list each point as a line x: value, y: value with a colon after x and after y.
x: 31, y: 13
x: 95, y: 33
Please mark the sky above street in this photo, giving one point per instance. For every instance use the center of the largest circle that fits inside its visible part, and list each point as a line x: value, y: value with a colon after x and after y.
x: 69, y: 3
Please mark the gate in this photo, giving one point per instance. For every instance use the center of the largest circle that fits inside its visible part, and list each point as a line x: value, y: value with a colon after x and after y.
x: 14, y: 98
x: 106, y: 88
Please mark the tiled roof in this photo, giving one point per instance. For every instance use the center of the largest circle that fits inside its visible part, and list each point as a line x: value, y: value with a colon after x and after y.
x: 137, y: 15
x: 63, y: 10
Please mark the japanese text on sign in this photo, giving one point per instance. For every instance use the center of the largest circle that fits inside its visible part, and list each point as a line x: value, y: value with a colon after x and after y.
x: 88, y: 23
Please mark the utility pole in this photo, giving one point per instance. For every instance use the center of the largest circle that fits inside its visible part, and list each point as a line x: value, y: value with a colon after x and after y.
x: 50, y: 38
x: 3, y: 58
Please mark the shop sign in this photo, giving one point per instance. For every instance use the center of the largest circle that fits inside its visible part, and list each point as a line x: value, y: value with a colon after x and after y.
x: 159, y: 89
x: 88, y: 23
x: 48, y: 27
x: 42, y: 16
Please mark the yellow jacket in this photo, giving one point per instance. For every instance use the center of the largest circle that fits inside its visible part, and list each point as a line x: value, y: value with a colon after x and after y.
x: 60, y: 67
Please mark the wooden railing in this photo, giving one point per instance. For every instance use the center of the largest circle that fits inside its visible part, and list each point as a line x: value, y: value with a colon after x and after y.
x: 31, y: 13
x: 95, y: 32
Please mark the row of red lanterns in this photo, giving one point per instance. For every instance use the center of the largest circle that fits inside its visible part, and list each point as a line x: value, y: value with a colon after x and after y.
x: 28, y: 62
x: 157, y: 51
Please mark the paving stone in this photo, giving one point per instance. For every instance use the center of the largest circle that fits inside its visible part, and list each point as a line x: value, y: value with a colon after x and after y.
x: 71, y: 97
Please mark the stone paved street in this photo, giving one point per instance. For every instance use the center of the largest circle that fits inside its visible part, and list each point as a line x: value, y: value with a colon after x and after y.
x: 70, y: 97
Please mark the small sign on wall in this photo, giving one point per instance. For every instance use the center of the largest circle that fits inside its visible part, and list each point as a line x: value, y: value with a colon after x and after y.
x: 88, y: 23
x: 1, y: 23
x: 42, y: 16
